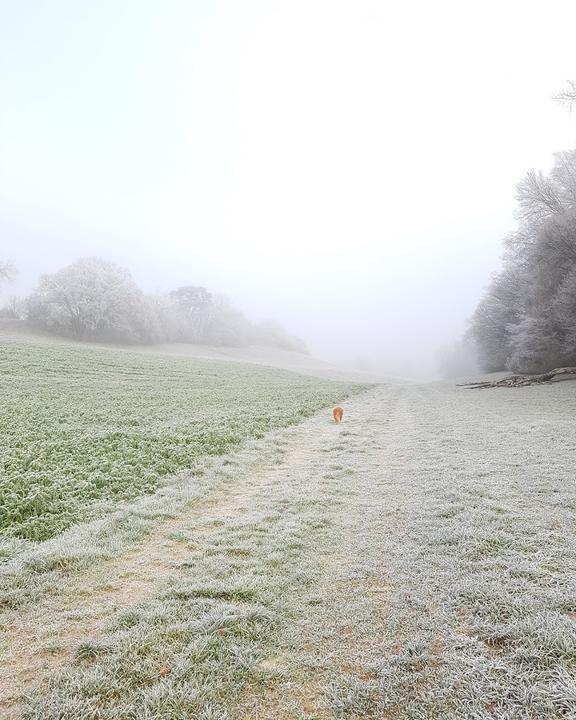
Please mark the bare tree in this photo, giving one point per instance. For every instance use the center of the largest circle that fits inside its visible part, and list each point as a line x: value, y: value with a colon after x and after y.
x: 7, y: 271
x: 15, y: 309
x: 567, y: 96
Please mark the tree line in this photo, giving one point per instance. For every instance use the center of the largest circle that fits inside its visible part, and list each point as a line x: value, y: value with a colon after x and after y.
x: 96, y: 300
x: 526, y: 320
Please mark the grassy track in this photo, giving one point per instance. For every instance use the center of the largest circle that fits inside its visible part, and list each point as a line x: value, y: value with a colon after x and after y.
x: 81, y: 428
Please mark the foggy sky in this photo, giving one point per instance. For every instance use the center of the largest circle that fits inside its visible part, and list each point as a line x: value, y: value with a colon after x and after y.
x: 345, y: 167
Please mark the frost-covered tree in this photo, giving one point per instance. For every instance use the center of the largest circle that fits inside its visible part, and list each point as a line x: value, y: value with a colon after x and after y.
x: 96, y: 300
x: 7, y: 271
x: 496, y: 313
x: 192, y: 298
x: 226, y: 325
x: 14, y: 309
x: 526, y: 320
x: 567, y: 96
x: 192, y: 305
x: 92, y: 299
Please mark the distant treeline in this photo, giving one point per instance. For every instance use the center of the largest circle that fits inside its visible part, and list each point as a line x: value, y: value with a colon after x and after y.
x: 96, y: 300
x: 526, y: 320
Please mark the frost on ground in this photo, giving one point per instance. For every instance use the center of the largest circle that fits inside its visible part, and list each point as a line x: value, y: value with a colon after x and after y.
x: 83, y: 428
x: 415, y: 562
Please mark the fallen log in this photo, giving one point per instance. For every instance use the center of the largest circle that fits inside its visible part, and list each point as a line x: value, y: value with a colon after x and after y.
x: 521, y: 380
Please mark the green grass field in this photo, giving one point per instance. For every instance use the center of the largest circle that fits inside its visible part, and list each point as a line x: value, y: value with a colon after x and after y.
x: 82, y: 425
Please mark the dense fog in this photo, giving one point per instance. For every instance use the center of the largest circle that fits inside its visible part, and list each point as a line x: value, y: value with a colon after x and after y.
x: 345, y: 169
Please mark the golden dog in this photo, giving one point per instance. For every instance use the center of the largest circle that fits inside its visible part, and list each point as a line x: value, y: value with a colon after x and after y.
x: 337, y: 414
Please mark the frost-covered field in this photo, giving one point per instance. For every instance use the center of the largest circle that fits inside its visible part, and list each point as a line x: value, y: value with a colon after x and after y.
x: 416, y: 562
x: 82, y: 428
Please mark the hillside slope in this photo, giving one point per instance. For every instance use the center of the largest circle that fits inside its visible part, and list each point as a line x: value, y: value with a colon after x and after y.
x: 83, y: 428
x: 258, y: 355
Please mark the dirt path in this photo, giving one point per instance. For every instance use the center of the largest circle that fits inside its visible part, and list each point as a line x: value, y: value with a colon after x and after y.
x: 409, y: 563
